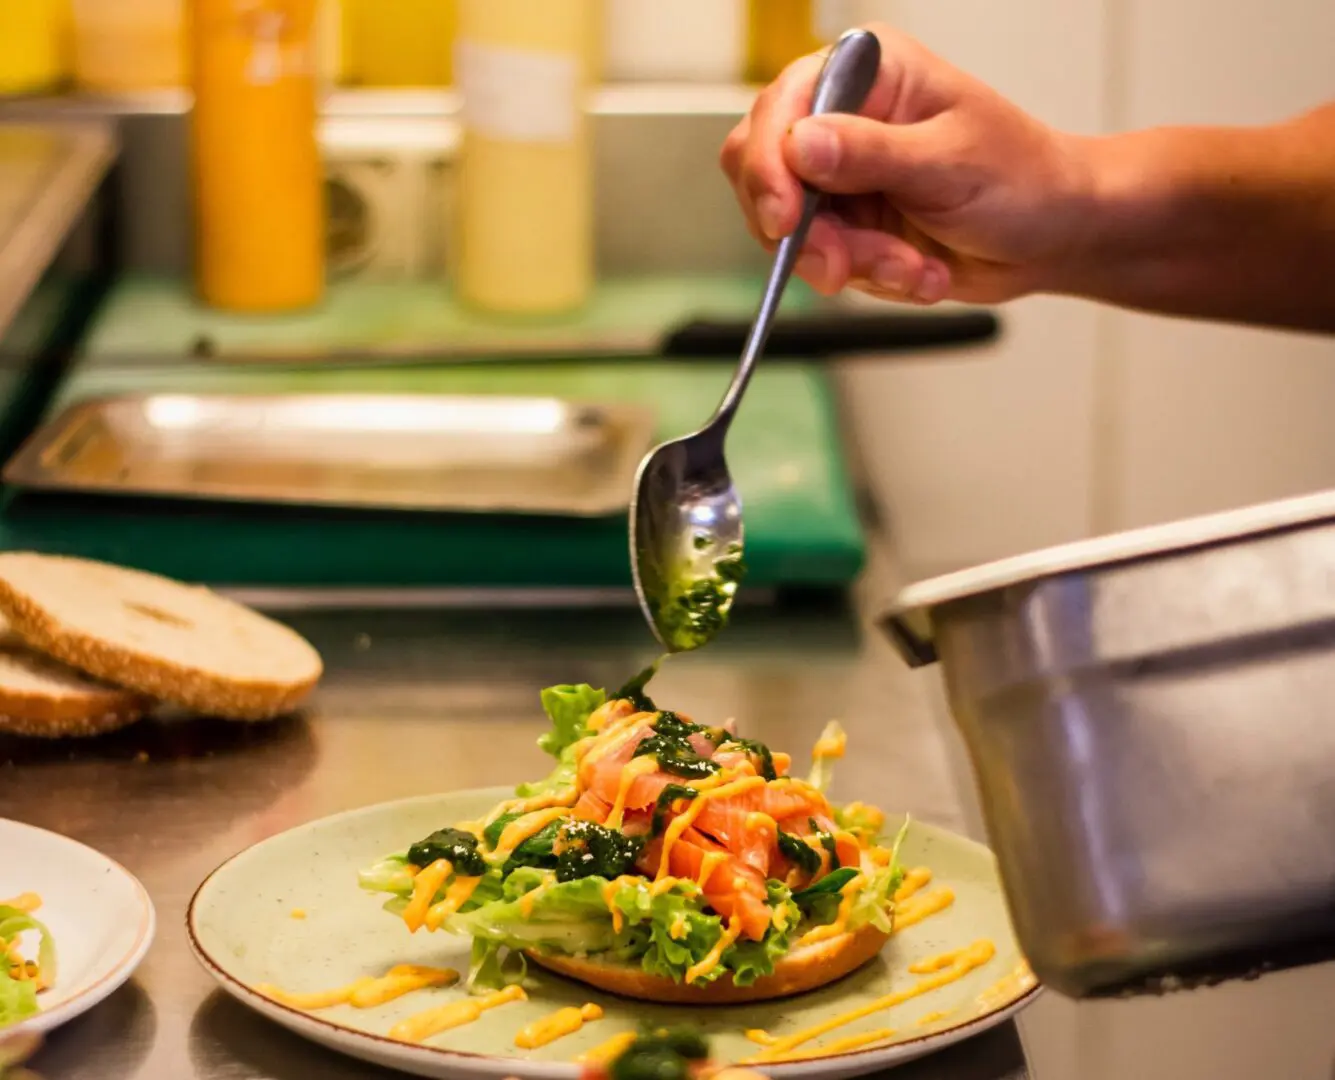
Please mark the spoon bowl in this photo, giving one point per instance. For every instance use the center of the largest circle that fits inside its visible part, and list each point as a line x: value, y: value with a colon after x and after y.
x: 687, y: 510
x: 686, y: 535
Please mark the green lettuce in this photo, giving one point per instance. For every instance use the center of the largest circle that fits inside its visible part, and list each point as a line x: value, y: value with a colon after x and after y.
x: 875, y: 902
x: 822, y: 768
x: 665, y: 934
x: 569, y: 709
x: 18, y: 997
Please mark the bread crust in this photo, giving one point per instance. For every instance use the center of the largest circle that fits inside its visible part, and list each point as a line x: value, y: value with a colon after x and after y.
x: 43, y: 698
x: 807, y: 967
x: 121, y: 626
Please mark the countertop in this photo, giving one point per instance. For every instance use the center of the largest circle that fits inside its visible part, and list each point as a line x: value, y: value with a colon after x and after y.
x: 422, y: 700
x: 48, y: 172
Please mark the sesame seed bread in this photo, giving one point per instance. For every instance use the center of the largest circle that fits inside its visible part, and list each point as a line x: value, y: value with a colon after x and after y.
x: 807, y: 967
x: 182, y: 644
x: 43, y: 698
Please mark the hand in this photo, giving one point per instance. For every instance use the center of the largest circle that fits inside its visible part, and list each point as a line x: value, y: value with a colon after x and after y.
x: 941, y: 187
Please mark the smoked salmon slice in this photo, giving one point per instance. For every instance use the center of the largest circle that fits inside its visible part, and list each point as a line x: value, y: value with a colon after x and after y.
x: 731, y: 887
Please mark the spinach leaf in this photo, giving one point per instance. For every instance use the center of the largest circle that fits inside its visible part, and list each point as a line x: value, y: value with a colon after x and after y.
x: 492, y: 833
x: 663, y: 805
x: 830, y: 883
x: 454, y: 844
x: 799, y: 853
x: 591, y: 850
x: 665, y: 1054
x: 756, y: 750
x: 826, y: 840
x: 676, y: 756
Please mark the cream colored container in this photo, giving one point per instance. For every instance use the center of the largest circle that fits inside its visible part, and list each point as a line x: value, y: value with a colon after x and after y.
x: 121, y: 46
x: 698, y: 41
x: 525, y: 229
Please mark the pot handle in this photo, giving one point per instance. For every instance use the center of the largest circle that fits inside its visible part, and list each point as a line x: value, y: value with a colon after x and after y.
x: 913, y: 642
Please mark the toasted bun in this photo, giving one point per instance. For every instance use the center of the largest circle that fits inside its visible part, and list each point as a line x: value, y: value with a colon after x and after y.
x: 178, y: 643
x: 42, y: 697
x: 806, y: 968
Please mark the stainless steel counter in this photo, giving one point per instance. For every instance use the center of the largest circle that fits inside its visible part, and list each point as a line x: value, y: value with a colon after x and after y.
x: 416, y: 701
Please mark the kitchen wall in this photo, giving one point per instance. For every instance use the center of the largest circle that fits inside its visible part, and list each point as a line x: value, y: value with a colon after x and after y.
x: 1088, y: 420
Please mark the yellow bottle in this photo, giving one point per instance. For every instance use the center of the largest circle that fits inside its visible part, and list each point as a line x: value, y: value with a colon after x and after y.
x: 400, y: 42
x: 780, y: 31
x: 524, y: 237
x: 34, y: 45
x: 258, y: 178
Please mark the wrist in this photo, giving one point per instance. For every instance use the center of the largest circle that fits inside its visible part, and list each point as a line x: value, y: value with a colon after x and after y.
x: 1115, y: 206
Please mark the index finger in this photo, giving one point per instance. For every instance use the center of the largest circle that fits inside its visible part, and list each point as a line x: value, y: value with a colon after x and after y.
x: 773, y: 190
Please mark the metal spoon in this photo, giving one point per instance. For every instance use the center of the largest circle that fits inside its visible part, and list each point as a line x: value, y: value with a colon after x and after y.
x: 686, y: 515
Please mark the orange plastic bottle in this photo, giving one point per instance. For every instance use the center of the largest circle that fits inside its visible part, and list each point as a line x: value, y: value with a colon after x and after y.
x: 258, y: 177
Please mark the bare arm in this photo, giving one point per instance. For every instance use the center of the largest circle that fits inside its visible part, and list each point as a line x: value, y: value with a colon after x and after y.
x: 1221, y: 223
x: 943, y: 189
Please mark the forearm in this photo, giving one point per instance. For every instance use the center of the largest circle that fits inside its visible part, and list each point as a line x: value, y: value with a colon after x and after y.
x: 1231, y: 224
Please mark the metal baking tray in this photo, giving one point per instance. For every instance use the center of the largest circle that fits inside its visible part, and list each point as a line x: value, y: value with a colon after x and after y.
x: 480, y: 453
x: 1151, y: 722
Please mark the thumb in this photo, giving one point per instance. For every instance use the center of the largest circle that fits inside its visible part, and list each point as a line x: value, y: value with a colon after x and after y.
x: 841, y: 154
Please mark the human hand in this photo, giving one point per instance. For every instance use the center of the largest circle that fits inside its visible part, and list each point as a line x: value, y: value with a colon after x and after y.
x: 940, y: 189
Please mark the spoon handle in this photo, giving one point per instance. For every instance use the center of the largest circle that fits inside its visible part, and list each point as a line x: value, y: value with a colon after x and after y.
x: 843, y: 85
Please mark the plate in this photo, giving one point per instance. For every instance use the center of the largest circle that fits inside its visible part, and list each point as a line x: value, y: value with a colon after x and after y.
x: 99, y: 915
x: 242, y: 928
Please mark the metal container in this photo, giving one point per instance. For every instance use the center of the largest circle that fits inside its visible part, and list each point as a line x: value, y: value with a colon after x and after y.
x: 388, y: 451
x: 1151, y: 722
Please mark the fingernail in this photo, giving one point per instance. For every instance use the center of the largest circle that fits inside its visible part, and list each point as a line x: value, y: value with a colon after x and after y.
x: 889, y: 275
x: 811, y: 266
x: 769, y: 211
x: 817, y: 150
x: 933, y: 285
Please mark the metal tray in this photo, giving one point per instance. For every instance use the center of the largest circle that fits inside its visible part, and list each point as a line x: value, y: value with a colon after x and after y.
x: 1151, y: 722
x: 390, y: 451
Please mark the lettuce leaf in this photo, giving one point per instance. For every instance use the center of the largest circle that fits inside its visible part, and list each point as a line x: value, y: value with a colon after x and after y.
x: 18, y: 997
x: 822, y: 764
x: 568, y: 708
x: 875, y: 903
x: 864, y: 822
x: 665, y: 935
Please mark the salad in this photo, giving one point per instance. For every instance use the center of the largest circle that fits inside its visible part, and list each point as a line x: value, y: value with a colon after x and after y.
x: 24, y: 972
x: 659, y: 853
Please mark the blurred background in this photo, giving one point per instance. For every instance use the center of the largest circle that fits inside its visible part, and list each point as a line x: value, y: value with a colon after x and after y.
x: 208, y: 205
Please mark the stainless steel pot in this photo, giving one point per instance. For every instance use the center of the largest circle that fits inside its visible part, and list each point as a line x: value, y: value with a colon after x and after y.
x: 1151, y: 722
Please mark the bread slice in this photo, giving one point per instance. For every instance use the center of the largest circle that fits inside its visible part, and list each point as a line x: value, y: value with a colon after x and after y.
x: 44, y: 698
x: 807, y: 967
x: 178, y: 643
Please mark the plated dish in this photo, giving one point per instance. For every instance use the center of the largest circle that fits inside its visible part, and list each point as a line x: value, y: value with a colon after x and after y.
x: 534, y: 961
x: 74, y: 925
x: 661, y: 859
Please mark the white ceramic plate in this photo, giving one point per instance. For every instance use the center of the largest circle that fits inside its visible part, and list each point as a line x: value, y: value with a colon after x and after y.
x: 99, y: 915
x: 241, y: 927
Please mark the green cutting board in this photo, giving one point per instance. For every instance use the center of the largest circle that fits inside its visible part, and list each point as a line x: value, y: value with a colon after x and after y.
x: 785, y: 454
x: 624, y: 316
